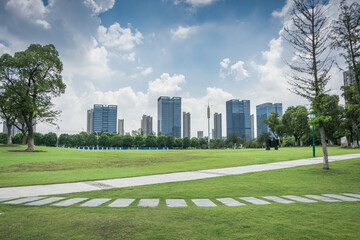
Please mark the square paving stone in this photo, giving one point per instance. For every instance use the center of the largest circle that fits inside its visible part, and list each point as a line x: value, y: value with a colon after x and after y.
x: 278, y: 199
x: 69, y: 202
x: 230, y: 202
x: 203, y: 203
x: 322, y: 198
x: 45, y: 201
x: 352, y: 195
x: 95, y: 202
x: 148, y: 203
x: 349, y: 199
x: 299, y: 199
x: 24, y: 200
x: 176, y: 203
x: 121, y: 202
x: 254, y: 200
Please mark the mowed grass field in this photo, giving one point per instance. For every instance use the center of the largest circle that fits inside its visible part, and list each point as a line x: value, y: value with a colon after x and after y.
x: 57, y: 165
x: 321, y: 220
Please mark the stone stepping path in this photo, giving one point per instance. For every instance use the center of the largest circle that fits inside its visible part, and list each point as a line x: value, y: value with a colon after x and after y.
x: 230, y: 202
x: 148, y: 203
x: 95, y: 202
x: 254, y: 200
x: 121, y: 202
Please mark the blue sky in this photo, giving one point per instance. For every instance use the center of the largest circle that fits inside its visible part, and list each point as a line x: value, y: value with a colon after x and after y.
x: 130, y: 52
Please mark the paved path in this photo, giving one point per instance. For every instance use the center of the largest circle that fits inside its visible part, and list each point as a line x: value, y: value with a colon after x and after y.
x: 204, y: 202
x: 64, y: 188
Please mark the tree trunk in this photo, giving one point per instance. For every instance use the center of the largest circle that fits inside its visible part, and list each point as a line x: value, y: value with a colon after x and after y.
x: 30, y: 139
x: 8, y: 142
x: 301, y: 142
x: 324, y: 148
x: 23, y: 139
x: 355, y: 141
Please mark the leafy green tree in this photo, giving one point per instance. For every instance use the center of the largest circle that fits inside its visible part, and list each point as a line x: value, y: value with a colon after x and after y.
x: 296, y: 123
x: 17, y: 139
x: 50, y: 139
x: 262, y: 139
x: 38, y: 139
x: 203, y: 143
x: 139, y: 141
x: 116, y: 141
x: 308, y: 33
x: 128, y: 141
x: 170, y: 141
x: 161, y: 141
x: 233, y: 139
x: 276, y: 126
x: 104, y: 140
x: 179, y: 143
x: 194, y: 142
x: 150, y: 141
x: 32, y: 78
x: 79, y: 140
x: 335, y: 112
x: 91, y: 140
x: 64, y: 139
x: 186, y: 142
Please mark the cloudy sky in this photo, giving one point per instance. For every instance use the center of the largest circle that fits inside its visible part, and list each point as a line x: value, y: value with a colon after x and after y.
x: 130, y: 52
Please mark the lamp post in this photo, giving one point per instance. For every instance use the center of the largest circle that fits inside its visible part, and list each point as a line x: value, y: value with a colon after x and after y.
x: 312, y: 117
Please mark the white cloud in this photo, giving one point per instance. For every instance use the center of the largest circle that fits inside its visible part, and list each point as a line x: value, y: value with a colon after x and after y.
x: 236, y: 70
x: 225, y: 63
x: 4, y: 49
x: 183, y: 32
x: 147, y: 71
x: 285, y: 10
x: 166, y: 84
x: 33, y: 11
x: 130, y: 57
x: 118, y: 37
x: 99, y: 6
x: 239, y: 71
x: 198, y: 3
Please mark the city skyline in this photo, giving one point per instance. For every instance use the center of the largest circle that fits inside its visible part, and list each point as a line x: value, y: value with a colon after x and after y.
x: 202, y: 51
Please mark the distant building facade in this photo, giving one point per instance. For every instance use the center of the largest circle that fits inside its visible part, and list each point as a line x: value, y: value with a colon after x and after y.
x: 121, y: 130
x: 200, y: 134
x: 349, y: 78
x: 104, y: 119
x: 263, y: 111
x: 252, y: 126
x: 217, y: 126
x: 146, y: 125
x: 169, y: 116
x: 186, y: 124
x: 238, y: 118
x: 14, y: 130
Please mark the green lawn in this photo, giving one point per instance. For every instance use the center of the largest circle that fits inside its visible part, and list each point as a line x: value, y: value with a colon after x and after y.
x: 319, y: 220
x: 58, y: 165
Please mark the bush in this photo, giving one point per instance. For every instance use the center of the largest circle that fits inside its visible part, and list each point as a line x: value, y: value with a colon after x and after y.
x: 3, y: 138
x: 50, y: 139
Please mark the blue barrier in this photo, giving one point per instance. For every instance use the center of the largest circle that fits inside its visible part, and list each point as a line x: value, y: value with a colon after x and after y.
x: 117, y: 148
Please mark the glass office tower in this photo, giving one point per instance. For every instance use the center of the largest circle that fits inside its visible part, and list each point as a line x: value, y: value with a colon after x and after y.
x: 105, y: 118
x: 263, y: 111
x: 238, y: 118
x: 169, y: 116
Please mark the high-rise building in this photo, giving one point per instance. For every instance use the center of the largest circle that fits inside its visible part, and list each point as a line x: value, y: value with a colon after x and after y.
x: 121, y: 130
x: 349, y: 77
x: 169, y: 116
x: 200, y: 134
x: 104, y: 118
x: 252, y: 126
x: 186, y: 124
x: 90, y: 121
x: 14, y: 130
x: 146, y: 125
x: 217, y: 126
x: 238, y: 118
x: 263, y: 111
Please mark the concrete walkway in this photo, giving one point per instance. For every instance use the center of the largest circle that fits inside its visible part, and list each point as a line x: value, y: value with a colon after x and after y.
x: 63, y: 188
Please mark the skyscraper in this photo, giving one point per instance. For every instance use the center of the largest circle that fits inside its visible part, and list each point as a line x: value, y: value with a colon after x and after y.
x: 200, y: 134
x: 217, y: 126
x: 90, y: 121
x: 252, y: 126
x: 169, y: 116
x: 186, y: 124
x: 104, y: 118
x: 263, y: 111
x: 146, y: 125
x: 349, y: 77
x: 238, y: 118
x: 121, y: 130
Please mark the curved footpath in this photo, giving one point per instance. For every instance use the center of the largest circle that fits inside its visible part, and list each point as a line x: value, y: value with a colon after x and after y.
x: 63, y: 188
